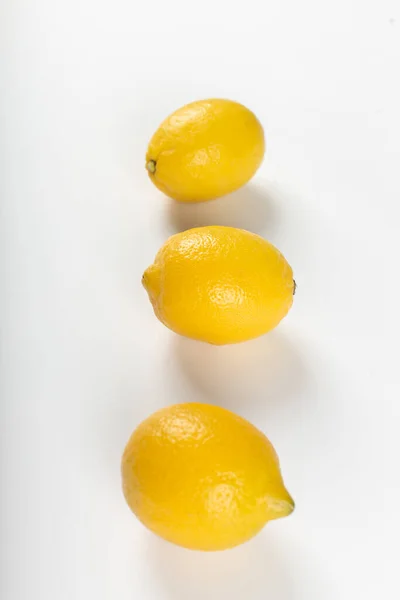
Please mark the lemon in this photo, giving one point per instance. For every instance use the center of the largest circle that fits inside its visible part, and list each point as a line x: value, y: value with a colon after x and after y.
x: 202, y: 477
x: 205, y: 150
x: 219, y: 284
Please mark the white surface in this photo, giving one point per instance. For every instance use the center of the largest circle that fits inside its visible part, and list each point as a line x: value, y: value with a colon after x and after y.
x: 84, y: 85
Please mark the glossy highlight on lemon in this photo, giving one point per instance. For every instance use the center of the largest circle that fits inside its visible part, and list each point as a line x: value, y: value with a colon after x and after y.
x: 202, y: 477
x: 220, y: 285
x: 205, y: 150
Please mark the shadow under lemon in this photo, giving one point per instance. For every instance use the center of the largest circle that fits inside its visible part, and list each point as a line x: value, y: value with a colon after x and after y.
x: 252, y: 207
x: 254, y: 570
x: 268, y: 370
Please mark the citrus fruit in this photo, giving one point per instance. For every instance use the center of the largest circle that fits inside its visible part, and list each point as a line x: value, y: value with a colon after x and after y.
x: 205, y: 149
x: 219, y: 284
x: 202, y: 477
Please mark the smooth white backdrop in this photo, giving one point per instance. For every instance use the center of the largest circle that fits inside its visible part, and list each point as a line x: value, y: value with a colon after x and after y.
x: 84, y: 84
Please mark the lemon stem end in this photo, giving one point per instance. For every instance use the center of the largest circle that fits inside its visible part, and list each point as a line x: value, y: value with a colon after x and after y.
x: 151, y: 166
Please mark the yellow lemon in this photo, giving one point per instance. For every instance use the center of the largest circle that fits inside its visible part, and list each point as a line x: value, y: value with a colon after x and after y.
x: 219, y: 284
x: 202, y: 477
x: 205, y: 150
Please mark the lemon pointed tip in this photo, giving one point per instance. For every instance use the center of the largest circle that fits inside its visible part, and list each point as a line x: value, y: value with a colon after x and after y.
x: 151, y: 280
x: 280, y: 507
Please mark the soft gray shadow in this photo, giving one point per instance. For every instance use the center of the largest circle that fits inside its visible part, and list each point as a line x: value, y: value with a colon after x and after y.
x: 268, y: 370
x: 252, y: 207
x: 255, y: 570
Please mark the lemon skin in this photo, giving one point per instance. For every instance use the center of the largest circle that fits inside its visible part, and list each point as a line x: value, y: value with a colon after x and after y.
x: 202, y: 477
x: 205, y: 150
x: 220, y: 285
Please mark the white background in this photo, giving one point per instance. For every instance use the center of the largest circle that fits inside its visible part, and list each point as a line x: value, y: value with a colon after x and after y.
x: 84, y: 84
